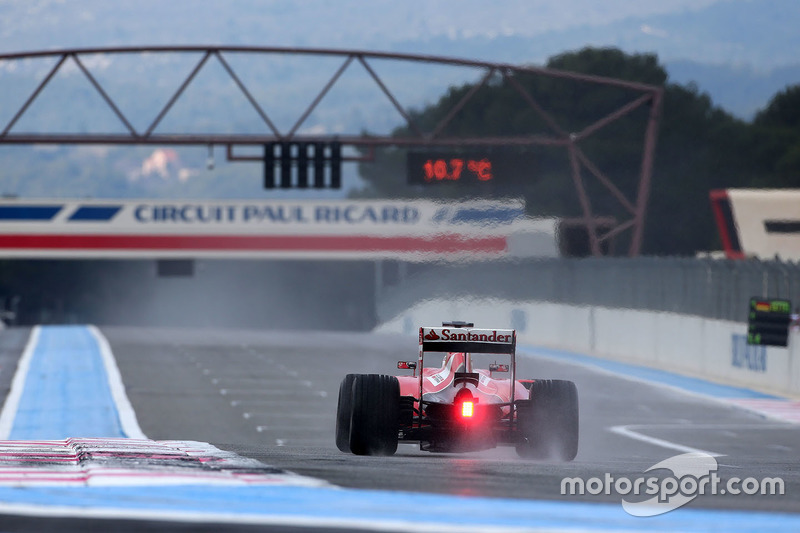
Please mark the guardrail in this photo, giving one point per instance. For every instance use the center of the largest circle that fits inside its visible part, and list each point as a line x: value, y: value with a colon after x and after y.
x: 709, y: 288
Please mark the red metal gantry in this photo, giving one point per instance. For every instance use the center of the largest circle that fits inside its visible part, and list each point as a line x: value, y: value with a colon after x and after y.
x: 647, y: 95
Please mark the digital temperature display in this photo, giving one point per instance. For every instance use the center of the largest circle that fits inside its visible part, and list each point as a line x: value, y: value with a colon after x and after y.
x: 453, y: 169
x: 431, y: 168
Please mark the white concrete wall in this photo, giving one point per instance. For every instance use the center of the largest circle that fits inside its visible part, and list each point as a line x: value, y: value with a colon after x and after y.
x: 711, y: 349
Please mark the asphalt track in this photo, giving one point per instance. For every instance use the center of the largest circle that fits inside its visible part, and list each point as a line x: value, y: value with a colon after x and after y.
x: 271, y: 396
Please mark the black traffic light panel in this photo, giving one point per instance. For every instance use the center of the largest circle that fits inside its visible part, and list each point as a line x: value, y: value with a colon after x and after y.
x: 269, y: 166
x: 293, y: 161
x: 319, y: 165
x: 336, y: 165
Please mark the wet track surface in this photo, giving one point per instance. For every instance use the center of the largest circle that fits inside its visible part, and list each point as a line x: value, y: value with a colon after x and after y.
x: 272, y: 396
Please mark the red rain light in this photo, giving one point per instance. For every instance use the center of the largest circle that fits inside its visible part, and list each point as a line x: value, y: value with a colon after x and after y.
x: 467, y: 409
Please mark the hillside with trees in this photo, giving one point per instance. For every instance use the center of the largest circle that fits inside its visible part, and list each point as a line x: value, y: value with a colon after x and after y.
x: 700, y: 147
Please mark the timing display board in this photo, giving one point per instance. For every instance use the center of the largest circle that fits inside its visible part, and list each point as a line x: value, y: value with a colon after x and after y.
x: 768, y: 321
x: 490, y: 166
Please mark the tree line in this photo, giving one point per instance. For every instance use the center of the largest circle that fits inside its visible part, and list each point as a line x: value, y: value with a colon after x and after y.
x: 700, y: 147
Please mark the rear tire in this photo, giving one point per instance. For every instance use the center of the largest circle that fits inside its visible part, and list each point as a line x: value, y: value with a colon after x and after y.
x: 548, y: 421
x: 374, y: 414
x: 343, y: 413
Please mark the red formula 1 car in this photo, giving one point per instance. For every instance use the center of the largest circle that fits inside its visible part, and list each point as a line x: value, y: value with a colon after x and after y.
x: 461, y: 406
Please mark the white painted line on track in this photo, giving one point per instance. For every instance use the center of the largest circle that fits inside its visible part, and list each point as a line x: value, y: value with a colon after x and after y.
x: 271, y: 392
x: 292, y: 416
x: 279, y: 402
x: 127, y: 416
x: 741, y: 426
x: 626, y: 431
x: 18, y: 385
x: 249, y: 379
x: 293, y: 428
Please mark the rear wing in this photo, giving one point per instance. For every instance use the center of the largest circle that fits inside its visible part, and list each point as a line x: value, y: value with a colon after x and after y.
x: 464, y: 338
x: 470, y: 340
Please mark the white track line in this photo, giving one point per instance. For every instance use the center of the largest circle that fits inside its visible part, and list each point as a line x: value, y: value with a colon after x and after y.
x: 18, y: 385
x: 127, y: 416
x: 626, y: 431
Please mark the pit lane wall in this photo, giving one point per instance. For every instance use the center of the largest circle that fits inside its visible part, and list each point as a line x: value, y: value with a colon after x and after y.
x: 714, y: 350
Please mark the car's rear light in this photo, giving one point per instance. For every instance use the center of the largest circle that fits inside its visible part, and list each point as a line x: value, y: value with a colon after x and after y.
x: 467, y: 409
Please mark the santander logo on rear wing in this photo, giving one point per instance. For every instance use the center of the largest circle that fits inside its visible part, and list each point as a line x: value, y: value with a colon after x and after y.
x: 467, y: 340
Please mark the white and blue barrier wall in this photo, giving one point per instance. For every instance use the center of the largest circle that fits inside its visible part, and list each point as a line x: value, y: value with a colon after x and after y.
x: 710, y: 349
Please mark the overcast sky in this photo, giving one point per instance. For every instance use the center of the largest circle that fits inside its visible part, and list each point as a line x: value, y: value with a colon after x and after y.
x: 35, y: 24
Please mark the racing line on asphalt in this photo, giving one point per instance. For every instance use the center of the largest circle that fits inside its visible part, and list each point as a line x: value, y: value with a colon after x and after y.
x: 65, y: 384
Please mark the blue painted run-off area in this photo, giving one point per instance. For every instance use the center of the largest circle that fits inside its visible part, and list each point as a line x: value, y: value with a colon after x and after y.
x: 690, y: 384
x: 404, y: 510
x: 66, y: 391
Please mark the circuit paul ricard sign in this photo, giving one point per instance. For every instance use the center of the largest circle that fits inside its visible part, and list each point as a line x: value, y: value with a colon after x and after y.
x: 326, y: 229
